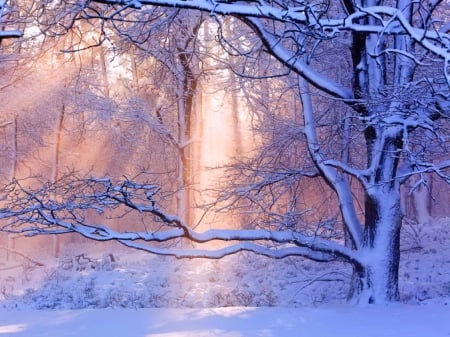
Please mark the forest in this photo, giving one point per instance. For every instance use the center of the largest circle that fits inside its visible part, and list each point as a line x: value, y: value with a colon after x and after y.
x: 311, y: 132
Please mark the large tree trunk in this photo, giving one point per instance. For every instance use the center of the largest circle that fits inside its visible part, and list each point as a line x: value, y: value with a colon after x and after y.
x: 375, y: 279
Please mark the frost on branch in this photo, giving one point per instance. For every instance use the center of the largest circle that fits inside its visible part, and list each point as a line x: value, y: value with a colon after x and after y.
x: 64, y: 207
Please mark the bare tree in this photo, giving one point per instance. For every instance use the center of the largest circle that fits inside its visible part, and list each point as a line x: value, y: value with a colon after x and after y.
x: 169, y: 48
x: 397, y: 92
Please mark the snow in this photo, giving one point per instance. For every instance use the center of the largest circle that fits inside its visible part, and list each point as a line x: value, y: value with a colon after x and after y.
x: 107, y: 290
x: 395, y: 321
x: 10, y: 33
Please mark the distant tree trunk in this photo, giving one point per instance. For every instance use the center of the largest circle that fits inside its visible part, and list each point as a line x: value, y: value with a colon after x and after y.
x: 135, y: 72
x: 15, y: 144
x: 237, y: 136
x: 421, y: 199
x: 187, y: 83
x: 104, y: 67
x: 183, y: 157
x: 56, y: 167
x: 186, y: 88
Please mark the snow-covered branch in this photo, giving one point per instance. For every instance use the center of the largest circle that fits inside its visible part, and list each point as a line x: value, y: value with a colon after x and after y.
x: 300, y: 12
x: 334, y: 178
x: 308, y: 20
x: 272, y: 252
x: 295, y: 63
x: 418, y: 168
x: 35, y: 212
x: 8, y: 34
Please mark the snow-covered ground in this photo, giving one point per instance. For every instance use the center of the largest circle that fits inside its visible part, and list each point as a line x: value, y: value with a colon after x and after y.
x: 394, y: 321
x: 106, y: 290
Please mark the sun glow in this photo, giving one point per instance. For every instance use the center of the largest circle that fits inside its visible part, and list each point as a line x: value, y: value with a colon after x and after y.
x: 224, y: 130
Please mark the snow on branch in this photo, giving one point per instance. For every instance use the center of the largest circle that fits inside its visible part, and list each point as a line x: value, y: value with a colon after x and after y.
x: 334, y: 178
x: 62, y: 207
x: 8, y: 34
x: 308, y: 19
x: 301, y: 67
x: 300, y: 13
x: 272, y: 252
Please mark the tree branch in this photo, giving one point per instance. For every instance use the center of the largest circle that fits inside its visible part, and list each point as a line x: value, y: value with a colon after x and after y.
x: 34, y: 212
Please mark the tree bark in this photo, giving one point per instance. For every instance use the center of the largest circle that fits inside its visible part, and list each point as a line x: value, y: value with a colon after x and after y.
x: 375, y: 278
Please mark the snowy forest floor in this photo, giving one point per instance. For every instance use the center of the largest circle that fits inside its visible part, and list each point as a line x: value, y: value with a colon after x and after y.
x: 305, y: 296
